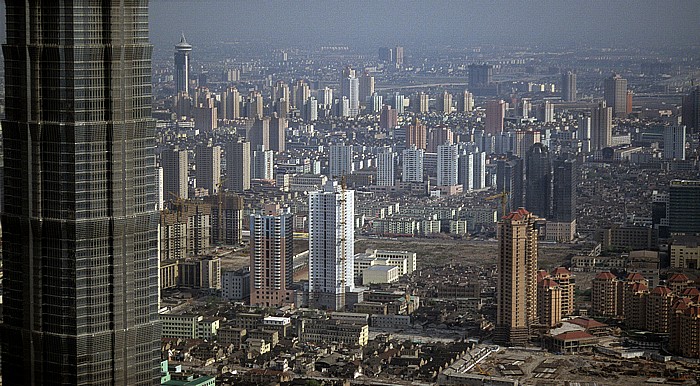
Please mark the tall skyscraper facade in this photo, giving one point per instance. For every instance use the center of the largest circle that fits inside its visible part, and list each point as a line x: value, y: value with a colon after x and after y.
x: 684, y: 206
x: 271, y: 258
x: 674, y: 142
x: 417, y: 134
x: 539, y: 178
x: 601, y: 127
x: 79, y: 221
x: 564, y: 189
x: 366, y: 87
x: 615, y: 94
x: 412, y: 159
x: 182, y: 66
x: 466, y: 171
x: 516, y: 291
x: 465, y: 102
x: 480, y: 75
x: 479, y: 178
x: 174, y: 164
x: 350, y: 88
x: 238, y: 166
x: 385, y: 168
x: 509, y: 179
x: 691, y: 110
x: 568, y: 86
x: 495, y: 113
x: 446, y: 103
x: 447, y: 165
x: 331, y: 246
x: 208, y: 163
x: 340, y: 161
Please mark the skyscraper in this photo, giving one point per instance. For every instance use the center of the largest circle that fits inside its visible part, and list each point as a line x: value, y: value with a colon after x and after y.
x: 278, y: 135
x: 446, y: 103
x: 516, y: 291
x: 674, y: 142
x: 601, y: 127
x: 79, y: 222
x: 480, y: 75
x: 271, y: 257
x: 495, y: 113
x: 416, y: 134
x: 509, y: 178
x: 350, y: 88
x: 691, y: 110
x: 447, y: 165
x: 182, y: 66
x: 340, y: 161
x: 568, y: 86
x: 262, y: 164
x: 385, y: 167
x: 412, y: 159
x: 615, y: 94
x: 208, y: 163
x: 398, y: 56
x: 466, y: 171
x: 331, y: 246
x: 366, y: 87
x: 564, y: 188
x: 479, y: 178
x: 465, y: 103
x: 683, y: 206
x: 539, y: 179
x: 174, y: 164
x: 238, y: 166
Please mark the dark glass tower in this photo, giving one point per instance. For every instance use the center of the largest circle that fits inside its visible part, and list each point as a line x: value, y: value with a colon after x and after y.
x: 539, y: 178
x: 79, y: 221
x: 509, y: 178
x: 565, y: 180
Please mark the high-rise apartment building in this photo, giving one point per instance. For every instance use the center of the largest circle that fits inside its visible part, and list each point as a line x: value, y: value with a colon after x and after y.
x: 389, y: 118
x: 174, y: 164
x: 538, y: 193
x: 479, y: 178
x: 262, y: 165
x: 684, y: 206
x: 549, y: 295
x: 278, y: 136
x: 208, y: 167
x: 422, y: 105
x: 447, y: 165
x: 231, y: 98
x: 271, y: 257
x: 412, y: 160
x: 79, y: 223
x: 480, y: 75
x: 340, y: 161
x: 604, y: 295
x: 398, y: 56
x: 674, y: 142
x: 601, y: 127
x: 446, y: 103
x: 516, y: 291
x: 238, y: 166
x: 182, y: 66
x: 615, y: 94
x: 385, y: 168
x: 331, y: 246
x: 568, y: 86
x: 465, y: 102
x: 465, y: 171
x: 259, y: 133
x: 567, y: 284
x: 416, y: 135
x: 495, y: 113
x: 226, y: 228
x: 350, y: 88
x: 439, y: 136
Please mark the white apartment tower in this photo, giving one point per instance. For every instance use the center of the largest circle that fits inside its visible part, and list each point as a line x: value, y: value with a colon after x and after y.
x: 413, y: 164
x: 340, y: 161
x: 447, y: 165
x: 331, y: 246
x: 385, y: 168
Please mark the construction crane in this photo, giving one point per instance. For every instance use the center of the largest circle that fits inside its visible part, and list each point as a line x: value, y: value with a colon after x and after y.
x: 504, y: 201
x: 479, y: 368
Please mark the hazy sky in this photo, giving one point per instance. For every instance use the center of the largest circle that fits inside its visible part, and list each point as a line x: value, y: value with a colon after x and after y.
x: 370, y: 24
x: 378, y: 22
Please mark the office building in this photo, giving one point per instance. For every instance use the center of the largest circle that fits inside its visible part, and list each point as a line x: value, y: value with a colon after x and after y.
x: 81, y: 305
x: 601, y: 127
x: 691, y: 110
x: 412, y: 159
x: 684, y: 206
x: 516, y: 291
x: 416, y: 135
x: 385, y: 168
x: 495, y: 113
x: 509, y: 179
x: 480, y: 75
x: 568, y: 86
x: 583, y: 133
x: 674, y: 143
x: 615, y: 95
x: 182, y: 66
x: 174, y: 164
x: 350, y: 89
x: 564, y: 187
x: 238, y: 166
x: 447, y: 165
x: 271, y: 257
x: 366, y: 87
x: 538, y: 192
x: 331, y: 246
x: 208, y: 167
x: 340, y: 161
